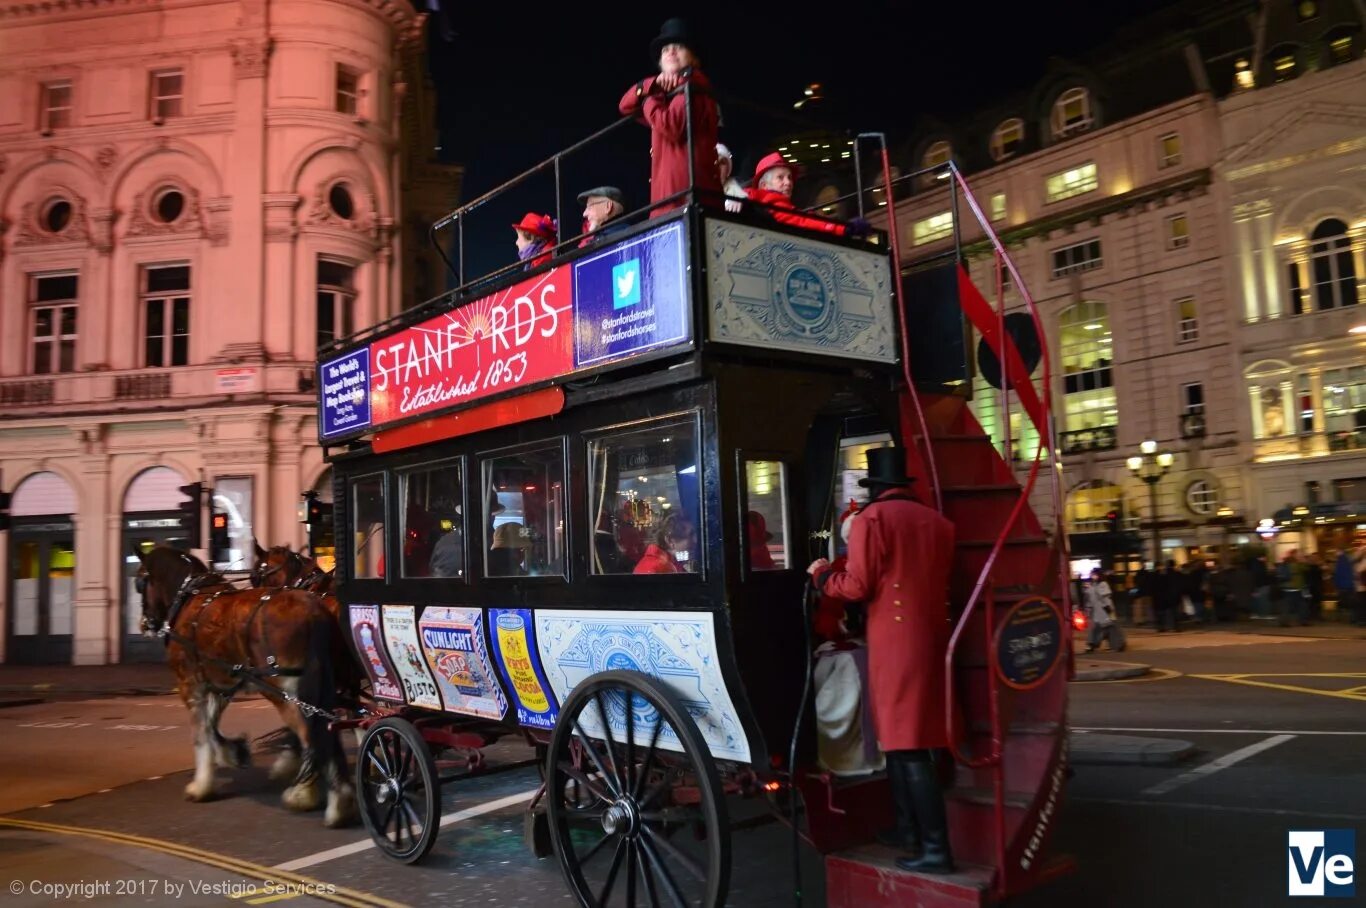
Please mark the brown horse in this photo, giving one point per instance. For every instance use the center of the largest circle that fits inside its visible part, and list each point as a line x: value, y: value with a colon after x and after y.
x: 220, y: 639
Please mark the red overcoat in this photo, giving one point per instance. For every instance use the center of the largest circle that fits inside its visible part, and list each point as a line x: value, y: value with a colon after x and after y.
x: 784, y: 212
x: 900, y: 554
x: 666, y: 115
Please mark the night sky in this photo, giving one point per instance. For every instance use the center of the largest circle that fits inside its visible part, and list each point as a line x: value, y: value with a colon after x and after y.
x: 519, y: 81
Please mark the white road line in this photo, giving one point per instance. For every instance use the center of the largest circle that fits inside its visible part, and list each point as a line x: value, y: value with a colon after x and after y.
x: 1216, y: 808
x: 1214, y: 766
x: 342, y: 851
x: 1226, y: 731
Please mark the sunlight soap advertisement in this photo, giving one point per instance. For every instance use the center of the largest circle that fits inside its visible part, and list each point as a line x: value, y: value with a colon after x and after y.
x: 453, y: 642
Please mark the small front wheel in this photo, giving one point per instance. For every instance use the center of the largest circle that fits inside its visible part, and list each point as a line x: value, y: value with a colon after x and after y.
x: 400, y: 794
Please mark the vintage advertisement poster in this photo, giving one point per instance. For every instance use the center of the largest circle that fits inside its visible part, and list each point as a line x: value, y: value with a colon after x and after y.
x: 453, y: 642
x: 514, y: 648
x: 370, y: 645
x: 405, y: 654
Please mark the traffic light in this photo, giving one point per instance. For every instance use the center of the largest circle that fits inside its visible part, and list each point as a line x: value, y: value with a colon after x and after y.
x: 4, y: 510
x: 1112, y: 521
x: 318, y: 516
x: 219, y: 541
x: 190, y: 514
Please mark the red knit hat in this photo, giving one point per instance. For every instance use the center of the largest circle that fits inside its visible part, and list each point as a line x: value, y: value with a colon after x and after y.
x: 848, y: 512
x: 770, y: 161
x: 543, y: 225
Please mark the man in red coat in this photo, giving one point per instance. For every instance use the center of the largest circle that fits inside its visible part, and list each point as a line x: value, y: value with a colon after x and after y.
x: 659, y: 103
x: 900, y: 554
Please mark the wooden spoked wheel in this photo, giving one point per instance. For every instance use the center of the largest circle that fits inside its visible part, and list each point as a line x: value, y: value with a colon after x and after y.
x: 637, y: 812
x: 399, y: 790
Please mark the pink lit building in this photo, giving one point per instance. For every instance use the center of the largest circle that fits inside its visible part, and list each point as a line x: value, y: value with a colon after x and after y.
x: 193, y: 195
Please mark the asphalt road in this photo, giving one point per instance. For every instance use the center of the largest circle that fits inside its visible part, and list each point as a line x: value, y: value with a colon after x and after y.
x: 1278, y: 727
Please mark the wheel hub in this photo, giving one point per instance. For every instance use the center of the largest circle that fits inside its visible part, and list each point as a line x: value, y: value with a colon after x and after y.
x: 389, y: 790
x: 622, y: 818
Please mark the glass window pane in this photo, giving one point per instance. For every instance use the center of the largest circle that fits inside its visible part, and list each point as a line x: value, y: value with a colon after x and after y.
x: 57, y: 287
x: 175, y: 277
x: 334, y: 274
x: 433, y: 521
x: 156, y: 318
x: 180, y: 316
x: 42, y: 322
x: 68, y: 321
x: 232, y: 495
x: 68, y: 356
x: 645, y: 499
x: 42, y: 357
x: 524, y: 532
x: 180, y: 350
x: 367, y: 510
x: 766, y: 515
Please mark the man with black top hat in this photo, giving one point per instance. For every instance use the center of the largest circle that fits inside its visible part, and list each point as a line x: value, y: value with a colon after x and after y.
x: 603, y: 207
x: 659, y: 103
x: 900, y: 554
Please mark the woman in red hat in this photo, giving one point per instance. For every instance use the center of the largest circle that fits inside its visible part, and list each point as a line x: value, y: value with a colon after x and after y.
x: 773, y: 181
x: 535, y: 238
x: 659, y: 103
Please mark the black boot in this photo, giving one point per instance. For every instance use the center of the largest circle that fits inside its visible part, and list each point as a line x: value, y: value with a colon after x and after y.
x: 905, y: 835
x: 933, y: 820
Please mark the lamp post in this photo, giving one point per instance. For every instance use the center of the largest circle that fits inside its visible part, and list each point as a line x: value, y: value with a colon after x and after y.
x: 1150, y: 465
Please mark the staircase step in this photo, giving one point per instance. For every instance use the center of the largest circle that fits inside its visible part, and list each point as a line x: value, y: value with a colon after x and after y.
x: 985, y: 797
x: 867, y: 877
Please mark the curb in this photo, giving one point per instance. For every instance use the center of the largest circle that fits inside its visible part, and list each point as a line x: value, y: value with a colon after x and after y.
x: 1111, y: 671
x: 1087, y: 749
x: 29, y: 701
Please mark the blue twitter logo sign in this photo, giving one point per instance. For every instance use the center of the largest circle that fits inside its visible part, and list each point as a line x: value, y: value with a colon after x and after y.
x: 626, y: 284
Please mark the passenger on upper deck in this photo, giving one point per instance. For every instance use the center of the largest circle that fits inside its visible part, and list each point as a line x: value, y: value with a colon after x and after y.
x: 659, y: 102
x: 535, y: 238
x: 725, y: 169
x: 672, y: 547
x: 603, y: 208
x: 773, y: 181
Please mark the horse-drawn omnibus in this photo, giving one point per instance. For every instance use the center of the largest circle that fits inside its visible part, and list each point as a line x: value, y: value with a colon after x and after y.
x: 576, y: 503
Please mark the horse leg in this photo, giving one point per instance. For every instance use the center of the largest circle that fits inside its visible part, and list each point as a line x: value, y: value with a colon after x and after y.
x: 231, y: 753
x: 286, y: 765
x: 341, y: 797
x: 201, y: 786
x: 304, y: 794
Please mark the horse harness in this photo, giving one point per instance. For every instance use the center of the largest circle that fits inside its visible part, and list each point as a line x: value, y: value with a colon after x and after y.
x: 244, y: 674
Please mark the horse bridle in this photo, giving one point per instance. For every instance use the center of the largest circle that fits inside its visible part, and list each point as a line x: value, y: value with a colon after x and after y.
x: 260, y: 573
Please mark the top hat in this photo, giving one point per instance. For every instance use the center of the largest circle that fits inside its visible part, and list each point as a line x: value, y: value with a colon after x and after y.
x: 886, y: 467
x: 543, y: 225
x: 673, y: 31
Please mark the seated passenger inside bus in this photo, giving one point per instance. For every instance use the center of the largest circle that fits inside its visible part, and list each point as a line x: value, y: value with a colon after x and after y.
x: 673, y: 549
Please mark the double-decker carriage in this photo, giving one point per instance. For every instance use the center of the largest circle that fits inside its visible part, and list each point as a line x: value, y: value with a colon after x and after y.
x: 576, y: 504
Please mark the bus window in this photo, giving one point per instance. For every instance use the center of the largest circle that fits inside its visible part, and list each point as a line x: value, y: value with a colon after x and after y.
x: 433, y: 526
x: 367, y: 509
x: 766, y: 515
x: 645, y: 500
x: 524, y: 514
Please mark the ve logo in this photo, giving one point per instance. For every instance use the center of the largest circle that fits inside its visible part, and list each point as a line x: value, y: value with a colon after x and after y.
x: 626, y: 284
x: 1322, y: 862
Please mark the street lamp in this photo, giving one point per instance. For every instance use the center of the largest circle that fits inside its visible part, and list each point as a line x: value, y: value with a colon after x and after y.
x: 1150, y: 465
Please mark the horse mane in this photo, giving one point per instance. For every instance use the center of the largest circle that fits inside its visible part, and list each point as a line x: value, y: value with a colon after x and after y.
x: 172, y: 565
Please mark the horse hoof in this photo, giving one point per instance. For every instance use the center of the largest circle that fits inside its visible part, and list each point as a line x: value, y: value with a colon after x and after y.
x: 341, y: 810
x: 302, y: 797
x: 286, y: 766
x: 194, y: 793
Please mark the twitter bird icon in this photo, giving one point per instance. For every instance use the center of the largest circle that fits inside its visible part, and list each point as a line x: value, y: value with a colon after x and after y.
x: 626, y: 284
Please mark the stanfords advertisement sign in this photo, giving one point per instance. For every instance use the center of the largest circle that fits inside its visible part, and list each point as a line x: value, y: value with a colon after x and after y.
x: 617, y: 303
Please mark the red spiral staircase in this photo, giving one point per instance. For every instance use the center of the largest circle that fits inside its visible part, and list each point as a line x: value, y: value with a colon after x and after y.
x: 1010, y: 745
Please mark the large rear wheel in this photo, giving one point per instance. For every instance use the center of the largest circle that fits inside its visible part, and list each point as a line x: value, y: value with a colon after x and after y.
x: 637, y: 811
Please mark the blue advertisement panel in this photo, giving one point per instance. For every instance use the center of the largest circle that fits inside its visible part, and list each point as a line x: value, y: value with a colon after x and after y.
x: 514, y: 648
x: 344, y: 393
x: 631, y: 297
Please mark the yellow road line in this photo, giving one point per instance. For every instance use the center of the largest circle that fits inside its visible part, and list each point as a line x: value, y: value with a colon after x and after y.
x: 1244, y: 679
x: 1157, y: 674
x: 328, y: 892
x: 274, y: 898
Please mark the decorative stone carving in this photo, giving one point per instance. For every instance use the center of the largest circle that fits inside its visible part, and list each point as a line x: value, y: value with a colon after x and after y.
x: 252, y: 57
x: 280, y: 207
x: 191, y: 221
x: 320, y: 210
x: 216, y: 220
x: 106, y: 157
x: 102, y: 229
x: 31, y: 233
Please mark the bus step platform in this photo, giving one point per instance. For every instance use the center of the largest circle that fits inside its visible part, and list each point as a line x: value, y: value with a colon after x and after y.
x: 867, y: 877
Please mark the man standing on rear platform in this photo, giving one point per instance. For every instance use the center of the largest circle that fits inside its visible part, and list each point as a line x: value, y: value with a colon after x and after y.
x: 900, y: 554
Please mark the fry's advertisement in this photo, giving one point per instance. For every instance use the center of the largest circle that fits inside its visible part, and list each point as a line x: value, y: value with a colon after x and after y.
x: 453, y: 642
x: 520, y: 665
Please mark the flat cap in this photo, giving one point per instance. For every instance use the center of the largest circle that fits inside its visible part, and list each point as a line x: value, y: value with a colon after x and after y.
x: 606, y: 192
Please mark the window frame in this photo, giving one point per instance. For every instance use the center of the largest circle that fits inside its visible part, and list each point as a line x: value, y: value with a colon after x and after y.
x: 936, y: 227
x: 1165, y: 158
x: 993, y: 214
x: 386, y: 504
x: 1177, y: 239
x: 401, y: 477
x: 46, y: 108
x: 743, y: 457
x: 168, y: 299
x: 343, y: 300
x: 1187, y: 333
x: 355, y: 95
x: 1083, y: 185
x: 998, y: 138
x: 1063, y: 130
x: 1209, y: 487
x: 54, y: 340
x: 1087, y: 311
x: 155, y: 99
x: 1331, y: 251
x: 1080, y: 266
x: 483, y: 458
x: 594, y: 435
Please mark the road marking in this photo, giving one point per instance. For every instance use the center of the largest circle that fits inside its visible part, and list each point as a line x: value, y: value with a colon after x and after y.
x: 1218, y: 765
x: 273, y: 898
x: 315, y: 888
x: 1293, y: 688
x: 1218, y: 808
x: 1223, y: 731
x: 342, y: 851
x: 1156, y: 674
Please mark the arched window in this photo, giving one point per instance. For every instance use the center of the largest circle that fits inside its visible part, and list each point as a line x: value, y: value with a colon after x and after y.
x: 936, y: 154
x: 1331, y: 270
x: 1284, y: 62
x: 1341, y: 45
x: 1006, y: 138
x: 1071, y: 113
x: 1087, y: 353
x: 1089, y: 504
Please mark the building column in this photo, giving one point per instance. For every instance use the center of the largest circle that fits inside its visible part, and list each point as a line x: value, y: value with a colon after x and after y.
x: 90, y: 642
x: 245, y: 181
x: 280, y: 235
x: 1266, y: 243
x: 1290, y: 407
x: 1246, y: 266
x: 1357, y: 237
x: 1316, y: 396
x: 1255, y: 393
